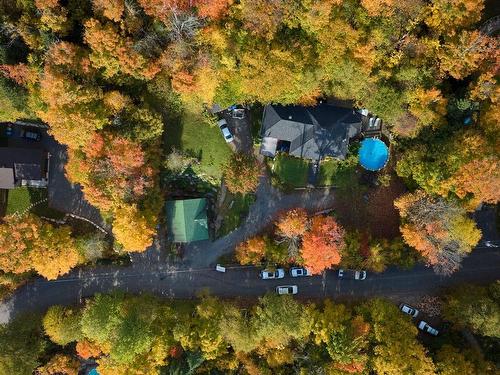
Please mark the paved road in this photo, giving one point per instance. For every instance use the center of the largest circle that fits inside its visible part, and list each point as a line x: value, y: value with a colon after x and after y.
x: 481, y: 267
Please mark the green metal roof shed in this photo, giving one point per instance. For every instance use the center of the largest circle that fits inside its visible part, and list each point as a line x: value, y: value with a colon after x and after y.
x: 187, y: 220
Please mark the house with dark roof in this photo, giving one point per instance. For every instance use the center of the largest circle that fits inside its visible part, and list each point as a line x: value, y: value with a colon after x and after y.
x: 309, y: 132
x: 23, y: 167
x: 187, y: 220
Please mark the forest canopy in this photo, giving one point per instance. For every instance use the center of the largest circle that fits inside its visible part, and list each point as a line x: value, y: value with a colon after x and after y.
x: 88, y: 69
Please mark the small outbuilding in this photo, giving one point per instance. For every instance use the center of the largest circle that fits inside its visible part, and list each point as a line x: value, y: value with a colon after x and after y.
x: 187, y: 220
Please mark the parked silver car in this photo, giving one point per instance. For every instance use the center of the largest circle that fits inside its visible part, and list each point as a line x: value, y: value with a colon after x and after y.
x: 287, y: 289
x: 352, y: 274
x: 269, y: 275
x: 407, y: 309
x: 226, y: 133
x: 299, y: 271
x: 423, y: 326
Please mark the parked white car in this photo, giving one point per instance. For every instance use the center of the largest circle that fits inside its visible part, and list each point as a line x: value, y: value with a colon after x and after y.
x: 299, y: 271
x: 225, y: 130
x: 287, y: 289
x: 407, y: 309
x: 423, y: 326
x: 269, y: 275
x: 352, y: 274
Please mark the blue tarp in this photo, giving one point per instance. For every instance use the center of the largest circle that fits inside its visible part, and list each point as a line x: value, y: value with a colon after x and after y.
x: 373, y: 154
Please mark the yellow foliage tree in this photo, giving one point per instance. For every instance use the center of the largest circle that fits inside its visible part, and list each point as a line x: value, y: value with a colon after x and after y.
x: 27, y: 242
x: 132, y: 229
x: 428, y: 106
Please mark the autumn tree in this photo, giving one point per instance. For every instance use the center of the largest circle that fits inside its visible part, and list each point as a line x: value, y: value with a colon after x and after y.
x: 344, y: 335
x: 28, y: 243
x: 291, y: 226
x: 428, y: 106
x: 133, y: 229
x: 60, y: 364
x: 251, y: 251
x: 446, y: 16
x: 322, y: 244
x: 73, y: 110
x: 277, y: 320
x: 22, y: 344
x: 241, y: 173
x: 475, y: 307
x: 113, y: 52
x: 111, y: 170
x: 451, y: 360
x: 442, y: 165
x: 62, y: 324
x: 396, y: 349
x: 112, y: 9
x: 439, y: 230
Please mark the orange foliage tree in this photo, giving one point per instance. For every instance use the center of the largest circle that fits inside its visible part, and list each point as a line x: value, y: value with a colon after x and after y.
x: 322, y: 244
x: 480, y: 178
x: 87, y: 349
x: 251, y: 251
x: 291, y: 226
x: 114, y: 53
x: 111, y: 170
x: 112, y: 9
x: 437, y: 229
x: 214, y: 9
x: 74, y: 112
x: 241, y: 173
x: 28, y: 243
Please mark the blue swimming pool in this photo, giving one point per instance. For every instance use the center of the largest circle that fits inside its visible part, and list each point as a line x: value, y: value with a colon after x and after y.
x: 93, y: 372
x: 373, y: 154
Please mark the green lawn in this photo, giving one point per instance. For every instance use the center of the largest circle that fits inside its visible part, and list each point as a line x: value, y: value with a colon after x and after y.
x: 333, y: 172
x: 291, y: 171
x: 198, y: 137
x: 19, y: 199
x: 328, y: 170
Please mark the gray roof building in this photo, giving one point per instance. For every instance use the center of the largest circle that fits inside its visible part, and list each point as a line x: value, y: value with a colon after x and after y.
x: 18, y: 164
x: 309, y: 132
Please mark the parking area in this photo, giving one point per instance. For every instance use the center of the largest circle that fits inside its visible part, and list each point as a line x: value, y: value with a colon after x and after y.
x: 238, y: 122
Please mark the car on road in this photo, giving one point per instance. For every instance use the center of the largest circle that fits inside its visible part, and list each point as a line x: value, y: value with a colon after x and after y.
x: 299, y: 271
x: 31, y: 134
x: 225, y: 130
x: 407, y: 309
x: 279, y: 273
x: 352, y: 274
x: 287, y: 289
x: 423, y: 326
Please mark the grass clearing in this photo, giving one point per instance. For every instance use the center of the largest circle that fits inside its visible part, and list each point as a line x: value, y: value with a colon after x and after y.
x: 20, y: 199
x: 291, y: 171
x: 328, y: 170
x: 198, y: 137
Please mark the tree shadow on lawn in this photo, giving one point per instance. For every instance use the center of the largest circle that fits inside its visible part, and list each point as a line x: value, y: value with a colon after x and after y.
x: 368, y: 207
